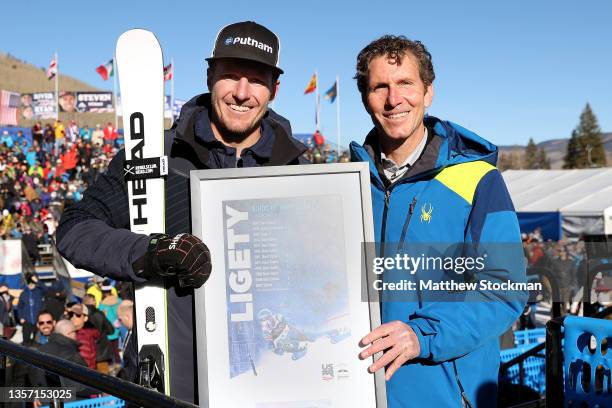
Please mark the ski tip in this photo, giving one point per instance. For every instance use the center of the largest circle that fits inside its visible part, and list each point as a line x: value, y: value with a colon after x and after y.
x: 137, y: 35
x: 137, y: 42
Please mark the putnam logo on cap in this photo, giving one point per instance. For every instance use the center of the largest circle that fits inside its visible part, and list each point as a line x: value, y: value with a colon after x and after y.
x: 249, y: 41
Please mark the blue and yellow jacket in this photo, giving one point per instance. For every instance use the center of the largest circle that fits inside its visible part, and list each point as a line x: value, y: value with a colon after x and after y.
x: 453, y: 193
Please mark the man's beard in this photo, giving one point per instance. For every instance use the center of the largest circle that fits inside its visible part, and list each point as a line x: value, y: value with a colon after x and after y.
x: 236, y: 136
x: 231, y: 135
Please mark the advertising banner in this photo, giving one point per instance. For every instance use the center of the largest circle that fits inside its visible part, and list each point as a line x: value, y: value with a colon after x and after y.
x: 100, y: 102
x: 38, y: 105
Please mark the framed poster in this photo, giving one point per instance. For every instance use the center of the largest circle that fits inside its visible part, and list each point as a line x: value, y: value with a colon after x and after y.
x: 280, y: 318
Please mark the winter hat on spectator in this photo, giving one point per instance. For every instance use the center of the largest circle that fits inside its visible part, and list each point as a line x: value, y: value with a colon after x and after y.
x: 106, y: 286
x: 79, y: 308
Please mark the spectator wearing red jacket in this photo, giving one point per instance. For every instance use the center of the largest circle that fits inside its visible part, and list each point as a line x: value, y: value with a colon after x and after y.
x: 110, y: 134
x: 86, y: 334
x: 48, y: 171
x: 59, y: 169
x: 70, y: 159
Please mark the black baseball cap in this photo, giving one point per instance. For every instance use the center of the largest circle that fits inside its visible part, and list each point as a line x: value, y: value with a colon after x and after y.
x: 249, y: 41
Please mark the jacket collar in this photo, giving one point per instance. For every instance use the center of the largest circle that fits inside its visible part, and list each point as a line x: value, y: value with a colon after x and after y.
x: 447, y: 144
x: 204, y: 132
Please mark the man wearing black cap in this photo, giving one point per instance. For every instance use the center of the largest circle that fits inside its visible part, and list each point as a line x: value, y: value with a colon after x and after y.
x: 229, y: 127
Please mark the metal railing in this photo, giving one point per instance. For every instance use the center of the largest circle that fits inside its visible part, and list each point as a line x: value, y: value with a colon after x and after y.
x: 131, y: 393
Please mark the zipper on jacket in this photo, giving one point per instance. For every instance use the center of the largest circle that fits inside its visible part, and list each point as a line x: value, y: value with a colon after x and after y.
x: 383, y: 228
x: 465, y: 401
x: 402, y: 239
x: 407, y: 222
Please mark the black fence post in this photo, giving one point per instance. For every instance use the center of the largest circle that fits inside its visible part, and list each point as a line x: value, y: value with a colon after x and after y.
x: 554, y: 363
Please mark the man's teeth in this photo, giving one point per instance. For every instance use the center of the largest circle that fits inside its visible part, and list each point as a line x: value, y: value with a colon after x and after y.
x: 397, y: 115
x: 239, y: 108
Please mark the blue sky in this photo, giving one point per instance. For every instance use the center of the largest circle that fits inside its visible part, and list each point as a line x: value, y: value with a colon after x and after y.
x: 507, y: 70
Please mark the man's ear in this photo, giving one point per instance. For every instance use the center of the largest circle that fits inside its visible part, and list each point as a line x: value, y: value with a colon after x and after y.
x: 209, y: 74
x: 429, y: 94
x: 274, y: 90
x: 364, y: 100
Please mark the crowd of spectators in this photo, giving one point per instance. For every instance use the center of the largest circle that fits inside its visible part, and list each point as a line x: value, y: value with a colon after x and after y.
x: 562, y: 264
x: 563, y: 258
x: 320, y: 152
x: 92, y: 332
x: 41, y: 175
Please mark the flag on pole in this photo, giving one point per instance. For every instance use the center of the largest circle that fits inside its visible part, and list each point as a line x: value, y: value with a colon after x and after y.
x: 312, y: 85
x: 331, y: 93
x: 9, y: 103
x: 52, y: 70
x: 168, y: 72
x: 106, y: 71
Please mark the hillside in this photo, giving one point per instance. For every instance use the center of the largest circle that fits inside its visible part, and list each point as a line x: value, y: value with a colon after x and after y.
x: 22, y: 77
x: 555, y: 149
x: 19, y: 76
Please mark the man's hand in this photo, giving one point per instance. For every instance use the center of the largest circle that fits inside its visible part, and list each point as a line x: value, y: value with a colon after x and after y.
x: 399, y: 342
x: 183, y: 256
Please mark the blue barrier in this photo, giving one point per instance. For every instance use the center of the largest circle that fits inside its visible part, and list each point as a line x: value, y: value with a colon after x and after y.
x: 95, y: 403
x: 27, y: 132
x: 587, y: 362
x: 533, y: 336
x: 533, y: 368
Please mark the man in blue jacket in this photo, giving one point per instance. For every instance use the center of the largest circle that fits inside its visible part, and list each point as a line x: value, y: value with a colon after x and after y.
x: 30, y: 303
x: 436, y: 353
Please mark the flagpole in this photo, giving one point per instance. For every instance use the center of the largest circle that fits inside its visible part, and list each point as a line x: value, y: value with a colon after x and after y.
x: 56, y: 87
x: 317, y: 99
x: 172, y: 92
x: 115, y: 95
x: 338, y: 115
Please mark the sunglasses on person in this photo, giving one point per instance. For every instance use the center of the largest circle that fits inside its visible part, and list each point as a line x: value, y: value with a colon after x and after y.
x: 49, y: 322
x: 70, y: 314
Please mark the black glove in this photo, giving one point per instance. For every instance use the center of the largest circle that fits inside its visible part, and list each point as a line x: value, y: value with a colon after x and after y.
x: 183, y: 256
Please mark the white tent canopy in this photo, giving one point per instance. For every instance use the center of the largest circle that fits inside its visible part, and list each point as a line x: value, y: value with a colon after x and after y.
x: 583, y: 196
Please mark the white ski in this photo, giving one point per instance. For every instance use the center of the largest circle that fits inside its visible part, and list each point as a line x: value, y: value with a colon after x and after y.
x: 140, y: 64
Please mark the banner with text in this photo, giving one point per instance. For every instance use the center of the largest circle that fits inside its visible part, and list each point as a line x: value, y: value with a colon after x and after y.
x: 38, y: 105
x: 101, y: 102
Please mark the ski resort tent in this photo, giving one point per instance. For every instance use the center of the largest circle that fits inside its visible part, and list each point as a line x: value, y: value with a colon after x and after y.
x: 579, y: 201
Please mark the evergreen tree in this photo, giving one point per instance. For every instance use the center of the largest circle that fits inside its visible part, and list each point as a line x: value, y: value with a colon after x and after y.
x: 590, y: 144
x: 573, y: 154
x: 510, y: 161
x: 543, y: 162
x: 516, y: 160
x: 531, y: 155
